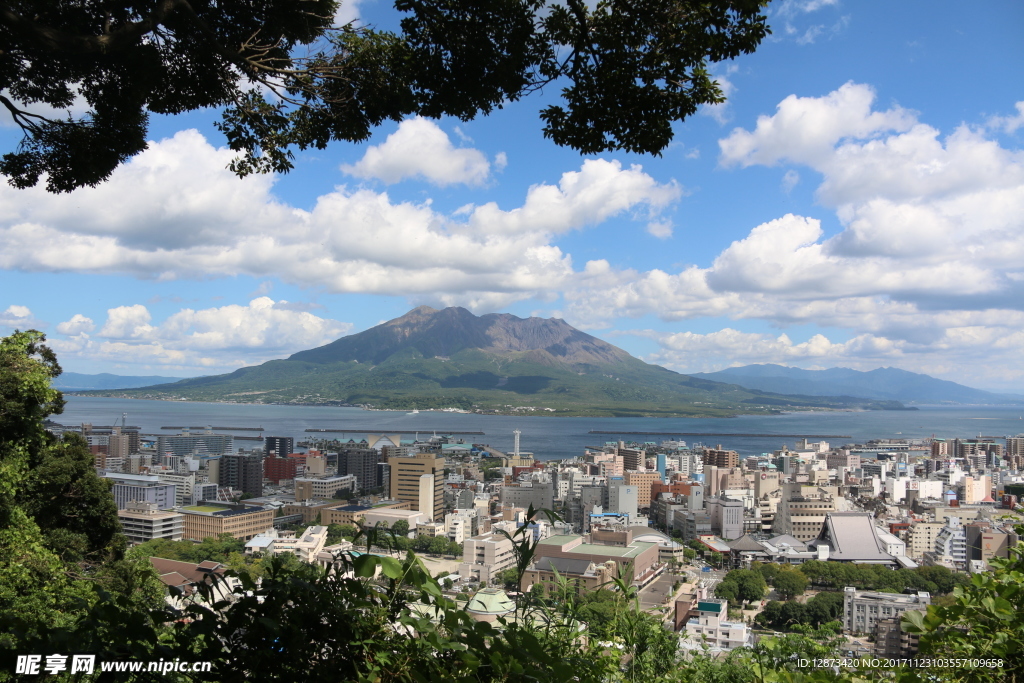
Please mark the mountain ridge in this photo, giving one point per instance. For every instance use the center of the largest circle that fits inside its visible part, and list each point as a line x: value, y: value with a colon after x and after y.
x: 497, y: 362
x: 886, y: 383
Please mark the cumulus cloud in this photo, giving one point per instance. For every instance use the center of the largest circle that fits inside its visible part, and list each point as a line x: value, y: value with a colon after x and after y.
x: 806, y: 129
x: 927, y: 258
x: 420, y: 149
x: 19, y: 317
x: 174, y: 212
x: 78, y: 324
x: 599, y: 190
x: 1008, y: 124
x: 715, y: 350
x: 224, y: 337
x: 979, y: 356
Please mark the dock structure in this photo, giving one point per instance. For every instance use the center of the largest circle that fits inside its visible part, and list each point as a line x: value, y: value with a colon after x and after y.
x: 785, y: 436
x: 385, y: 430
x: 226, y: 429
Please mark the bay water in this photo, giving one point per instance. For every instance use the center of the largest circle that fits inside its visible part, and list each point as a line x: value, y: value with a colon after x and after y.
x: 553, y: 437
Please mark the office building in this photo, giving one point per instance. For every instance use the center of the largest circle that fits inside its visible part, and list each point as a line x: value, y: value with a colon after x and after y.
x: 643, y: 481
x: 143, y: 522
x: 540, y: 495
x: 405, y: 482
x: 210, y: 520
x: 802, y: 510
x: 632, y: 458
x: 863, y: 609
x: 143, y: 488
x: 307, y: 488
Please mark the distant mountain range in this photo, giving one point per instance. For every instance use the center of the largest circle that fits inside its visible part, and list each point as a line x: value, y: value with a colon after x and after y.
x: 883, y: 384
x: 432, y: 358
x: 74, y: 381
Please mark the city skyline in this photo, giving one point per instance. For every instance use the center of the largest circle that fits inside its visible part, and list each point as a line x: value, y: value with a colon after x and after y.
x: 856, y: 203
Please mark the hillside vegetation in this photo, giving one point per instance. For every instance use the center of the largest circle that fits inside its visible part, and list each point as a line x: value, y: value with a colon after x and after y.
x: 454, y: 359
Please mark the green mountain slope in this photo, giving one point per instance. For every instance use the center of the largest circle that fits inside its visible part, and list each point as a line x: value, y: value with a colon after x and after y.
x: 452, y: 358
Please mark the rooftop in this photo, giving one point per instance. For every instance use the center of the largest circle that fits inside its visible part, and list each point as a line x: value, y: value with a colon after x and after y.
x: 631, y: 550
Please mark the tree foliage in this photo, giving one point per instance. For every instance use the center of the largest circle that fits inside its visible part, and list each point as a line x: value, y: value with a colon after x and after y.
x: 836, y: 575
x: 985, y: 621
x: 790, y: 583
x: 286, y: 78
x: 59, y: 533
x: 821, y: 609
x: 741, y: 585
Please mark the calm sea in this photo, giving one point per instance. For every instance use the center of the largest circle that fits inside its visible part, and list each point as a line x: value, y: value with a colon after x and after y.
x: 550, y: 437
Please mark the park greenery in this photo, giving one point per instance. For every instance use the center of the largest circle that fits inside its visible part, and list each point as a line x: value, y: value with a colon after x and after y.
x: 819, y: 610
x: 373, y: 617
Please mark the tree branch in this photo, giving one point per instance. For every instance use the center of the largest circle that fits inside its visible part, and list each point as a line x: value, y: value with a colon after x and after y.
x: 59, y: 40
x: 24, y: 118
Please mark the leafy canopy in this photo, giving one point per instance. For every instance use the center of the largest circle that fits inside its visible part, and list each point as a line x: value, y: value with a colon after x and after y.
x: 286, y: 78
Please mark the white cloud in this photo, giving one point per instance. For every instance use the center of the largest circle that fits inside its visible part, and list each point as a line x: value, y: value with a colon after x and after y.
x: 19, y: 317
x: 790, y: 180
x: 1008, y: 124
x: 926, y: 261
x: 174, y: 212
x: 692, y: 352
x: 793, y: 7
x: 78, y: 324
x: 347, y: 12
x: 127, y: 322
x: 806, y: 129
x: 976, y: 356
x: 599, y: 190
x: 224, y: 337
x: 661, y: 229
x: 16, y: 312
x: 420, y: 149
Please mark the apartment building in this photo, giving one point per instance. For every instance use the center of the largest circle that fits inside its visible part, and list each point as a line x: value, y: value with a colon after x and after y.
x: 921, y: 538
x: 710, y: 625
x: 362, y: 464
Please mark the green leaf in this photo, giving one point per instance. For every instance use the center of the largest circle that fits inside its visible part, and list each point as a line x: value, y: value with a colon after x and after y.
x: 366, y: 565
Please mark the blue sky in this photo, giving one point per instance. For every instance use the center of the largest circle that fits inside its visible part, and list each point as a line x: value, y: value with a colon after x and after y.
x: 858, y: 202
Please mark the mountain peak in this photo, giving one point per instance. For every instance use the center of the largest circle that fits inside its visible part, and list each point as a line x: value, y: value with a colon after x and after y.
x: 435, y: 333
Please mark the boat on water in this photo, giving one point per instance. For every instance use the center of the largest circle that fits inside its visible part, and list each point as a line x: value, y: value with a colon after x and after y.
x: 413, y: 412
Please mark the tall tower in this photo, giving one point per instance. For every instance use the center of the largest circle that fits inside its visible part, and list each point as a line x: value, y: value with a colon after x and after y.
x: 515, y: 442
